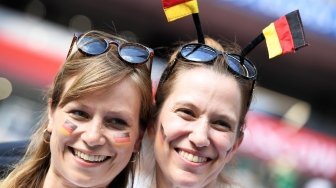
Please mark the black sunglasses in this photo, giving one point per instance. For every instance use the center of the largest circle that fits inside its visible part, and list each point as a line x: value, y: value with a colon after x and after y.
x: 201, y: 53
x: 94, y: 43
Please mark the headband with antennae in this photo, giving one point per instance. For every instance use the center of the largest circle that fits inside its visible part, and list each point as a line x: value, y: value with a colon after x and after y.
x: 175, y: 9
x: 282, y: 36
x: 198, y: 26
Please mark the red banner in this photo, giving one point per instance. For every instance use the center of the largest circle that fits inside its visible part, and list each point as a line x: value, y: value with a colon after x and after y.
x: 268, y: 138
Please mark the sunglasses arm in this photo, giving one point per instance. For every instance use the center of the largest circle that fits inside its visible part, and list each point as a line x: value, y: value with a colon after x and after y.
x: 72, y: 42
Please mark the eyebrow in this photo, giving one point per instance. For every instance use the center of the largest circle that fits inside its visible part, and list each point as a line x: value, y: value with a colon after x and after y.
x: 228, y: 118
x: 184, y: 102
x: 76, y: 104
x: 124, y: 114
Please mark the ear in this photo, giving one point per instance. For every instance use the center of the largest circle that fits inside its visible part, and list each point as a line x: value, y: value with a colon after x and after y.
x: 50, y: 116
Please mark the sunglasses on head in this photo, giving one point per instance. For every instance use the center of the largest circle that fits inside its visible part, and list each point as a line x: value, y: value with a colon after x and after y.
x: 94, y: 43
x: 201, y: 53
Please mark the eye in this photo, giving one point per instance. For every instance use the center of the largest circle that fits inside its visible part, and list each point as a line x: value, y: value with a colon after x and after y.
x: 79, y: 114
x: 186, y: 113
x: 116, y: 123
x: 221, y: 125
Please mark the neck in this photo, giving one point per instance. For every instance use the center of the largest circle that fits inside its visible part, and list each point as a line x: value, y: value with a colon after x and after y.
x: 54, y: 179
x: 163, y: 182
x: 51, y: 180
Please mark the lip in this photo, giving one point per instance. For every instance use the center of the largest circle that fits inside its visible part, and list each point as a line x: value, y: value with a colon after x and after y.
x: 183, y: 155
x: 87, y: 163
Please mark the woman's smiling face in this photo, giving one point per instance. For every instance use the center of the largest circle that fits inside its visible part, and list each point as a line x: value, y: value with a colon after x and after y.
x: 196, y: 129
x: 93, y: 138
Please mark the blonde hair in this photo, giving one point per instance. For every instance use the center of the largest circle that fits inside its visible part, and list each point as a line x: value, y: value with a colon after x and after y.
x: 91, y: 74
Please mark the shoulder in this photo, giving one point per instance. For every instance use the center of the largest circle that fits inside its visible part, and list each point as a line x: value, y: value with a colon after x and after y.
x: 11, y: 153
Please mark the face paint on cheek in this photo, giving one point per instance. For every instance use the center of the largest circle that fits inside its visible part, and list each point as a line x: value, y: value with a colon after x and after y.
x: 228, y: 152
x: 122, y: 138
x: 163, y: 132
x: 68, y: 127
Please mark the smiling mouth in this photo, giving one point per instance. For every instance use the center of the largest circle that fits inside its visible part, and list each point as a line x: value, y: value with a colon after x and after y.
x: 192, y: 158
x: 89, y: 158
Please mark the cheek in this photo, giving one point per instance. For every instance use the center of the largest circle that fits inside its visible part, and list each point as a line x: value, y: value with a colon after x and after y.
x: 223, y: 142
x: 57, y: 146
x: 66, y: 131
x: 171, y: 128
x: 63, y: 134
x: 121, y: 138
x: 57, y: 133
x: 67, y: 128
x: 124, y: 141
x: 124, y: 151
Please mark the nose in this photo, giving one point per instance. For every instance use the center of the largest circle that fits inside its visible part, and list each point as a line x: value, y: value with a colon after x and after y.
x: 199, y: 135
x: 93, y: 135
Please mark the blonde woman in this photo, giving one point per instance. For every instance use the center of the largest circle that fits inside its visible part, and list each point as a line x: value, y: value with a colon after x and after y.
x: 97, y: 111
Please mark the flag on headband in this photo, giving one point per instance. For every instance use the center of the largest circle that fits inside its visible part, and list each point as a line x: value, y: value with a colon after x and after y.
x: 175, y: 9
x: 285, y: 35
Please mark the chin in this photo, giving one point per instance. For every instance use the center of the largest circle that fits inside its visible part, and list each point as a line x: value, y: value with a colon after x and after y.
x: 88, y: 184
x: 187, y: 181
x: 85, y: 181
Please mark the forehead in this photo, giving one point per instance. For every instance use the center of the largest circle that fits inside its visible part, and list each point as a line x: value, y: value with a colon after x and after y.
x: 205, y: 85
x: 201, y: 77
x: 126, y: 90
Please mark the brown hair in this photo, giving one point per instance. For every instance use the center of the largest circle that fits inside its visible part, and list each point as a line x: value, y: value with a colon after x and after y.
x: 166, y: 86
x: 91, y: 74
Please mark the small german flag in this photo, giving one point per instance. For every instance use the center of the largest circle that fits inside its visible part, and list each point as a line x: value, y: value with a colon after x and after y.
x: 285, y: 35
x: 175, y: 9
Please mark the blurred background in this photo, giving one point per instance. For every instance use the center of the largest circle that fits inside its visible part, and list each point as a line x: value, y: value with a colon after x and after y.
x: 290, y: 140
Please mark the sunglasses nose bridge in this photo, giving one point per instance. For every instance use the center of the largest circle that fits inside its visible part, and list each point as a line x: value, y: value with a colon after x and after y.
x: 220, y: 53
x: 110, y: 42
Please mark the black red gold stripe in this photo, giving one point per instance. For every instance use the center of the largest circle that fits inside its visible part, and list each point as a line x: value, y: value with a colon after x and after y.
x: 285, y: 35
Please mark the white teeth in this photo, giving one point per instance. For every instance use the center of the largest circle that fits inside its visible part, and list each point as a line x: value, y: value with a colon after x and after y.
x: 191, y: 157
x: 91, y: 158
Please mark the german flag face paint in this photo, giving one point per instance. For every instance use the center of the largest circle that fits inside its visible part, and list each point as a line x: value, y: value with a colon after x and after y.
x: 163, y: 132
x: 68, y: 127
x: 121, y: 138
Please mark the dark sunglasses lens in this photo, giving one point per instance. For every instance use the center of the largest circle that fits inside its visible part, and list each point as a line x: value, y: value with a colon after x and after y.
x: 134, y: 53
x: 247, y: 69
x: 233, y: 63
x: 251, y: 70
x: 198, y: 53
x: 92, y: 45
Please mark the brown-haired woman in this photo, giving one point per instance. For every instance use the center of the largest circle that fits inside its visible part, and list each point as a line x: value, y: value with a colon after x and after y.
x: 198, y: 122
